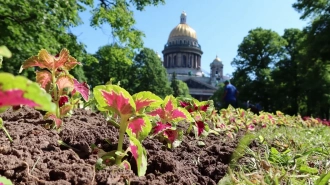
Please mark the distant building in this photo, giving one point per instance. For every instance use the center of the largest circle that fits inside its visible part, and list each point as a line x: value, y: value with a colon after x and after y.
x: 182, y: 54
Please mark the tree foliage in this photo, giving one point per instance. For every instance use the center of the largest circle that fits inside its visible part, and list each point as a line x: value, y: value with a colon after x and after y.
x: 113, y: 62
x: 28, y: 26
x: 184, y: 89
x: 148, y: 74
x: 291, y: 72
x: 175, y: 85
x: 257, y: 54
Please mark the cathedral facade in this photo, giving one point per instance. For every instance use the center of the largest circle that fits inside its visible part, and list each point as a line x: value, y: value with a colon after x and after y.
x: 182, y: 54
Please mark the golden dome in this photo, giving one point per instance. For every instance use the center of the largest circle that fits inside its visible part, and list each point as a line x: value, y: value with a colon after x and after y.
x: 217, y: 59
x: 183, y: 30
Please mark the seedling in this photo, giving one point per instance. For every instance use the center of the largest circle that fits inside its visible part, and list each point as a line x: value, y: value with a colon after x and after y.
x: 133, y: 120
x: 54, y: 77
x: 16, y: 91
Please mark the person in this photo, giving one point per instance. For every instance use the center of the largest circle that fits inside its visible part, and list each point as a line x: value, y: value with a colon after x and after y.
x: 230, y: 95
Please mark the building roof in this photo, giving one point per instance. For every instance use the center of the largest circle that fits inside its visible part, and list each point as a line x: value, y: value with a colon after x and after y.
x: 183, y: 29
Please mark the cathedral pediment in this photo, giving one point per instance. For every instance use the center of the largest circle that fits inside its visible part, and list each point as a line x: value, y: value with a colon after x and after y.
x: 195, y: 84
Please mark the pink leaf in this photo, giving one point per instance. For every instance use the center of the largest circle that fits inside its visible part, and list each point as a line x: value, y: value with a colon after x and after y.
x: 70, y: 64
x: 160, y: 112
x: 63, y: 82
x: 63, y: 100
x: 126, y: 165
x: 43, y: 78
x: 171, y: 135
x: 251, y: 127
x: 184, y: 104
x: 58, y: 122
x: 134, y: 150
x: 169, y: 106
x: 200, y: 127
x: 136, y: 125
x: 61, y: 59
x: 204, y: 107
x: 118, y: 101
x: 140, y: 103
x: 161, y: 127
x: 82, y: 88
x: 15, y: 97
x: 178, y: 114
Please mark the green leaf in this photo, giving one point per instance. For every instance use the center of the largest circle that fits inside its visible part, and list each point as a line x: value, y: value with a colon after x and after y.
x: 139, y: 127
x: 4, y: 51
x: 307, y: 169
x: 114, y: 98
x: 146, y: 99
x: 140, y: 155
x: 5, y: 181
x: 32, y: 90
x: 323, y: 180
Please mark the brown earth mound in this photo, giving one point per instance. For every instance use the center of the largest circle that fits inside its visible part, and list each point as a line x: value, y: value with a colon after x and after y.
x: 36, y: 157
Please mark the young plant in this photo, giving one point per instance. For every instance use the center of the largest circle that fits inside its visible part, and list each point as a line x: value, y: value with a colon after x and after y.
x: 54, y: 77
x: 16, y: 91
x: 132, y: 120
x: 169, y: 115
x: 201, y: 112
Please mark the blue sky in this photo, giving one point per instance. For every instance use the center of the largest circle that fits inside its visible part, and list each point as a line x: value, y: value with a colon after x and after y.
x: 221, y: 25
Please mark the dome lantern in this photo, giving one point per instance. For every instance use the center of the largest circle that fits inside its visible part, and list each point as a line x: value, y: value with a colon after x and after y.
x: 183, y: 18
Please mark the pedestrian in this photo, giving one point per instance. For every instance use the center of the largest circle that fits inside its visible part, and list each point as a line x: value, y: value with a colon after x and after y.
x: 230, y: 95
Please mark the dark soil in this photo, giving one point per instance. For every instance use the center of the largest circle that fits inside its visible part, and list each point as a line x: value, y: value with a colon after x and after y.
x: 36, y: 157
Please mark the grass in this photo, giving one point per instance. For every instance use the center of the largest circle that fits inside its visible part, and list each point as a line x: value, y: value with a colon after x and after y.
x: 282, y: 155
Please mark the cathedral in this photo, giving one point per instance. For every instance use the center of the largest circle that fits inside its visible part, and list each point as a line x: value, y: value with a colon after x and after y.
x: 182, y: 54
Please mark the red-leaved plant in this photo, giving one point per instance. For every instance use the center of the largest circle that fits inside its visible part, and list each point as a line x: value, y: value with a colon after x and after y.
x: 54, y: 77
x: 201, y: 112
x: 17, y: 91
x: 169, y: 115
x: 133, y: 120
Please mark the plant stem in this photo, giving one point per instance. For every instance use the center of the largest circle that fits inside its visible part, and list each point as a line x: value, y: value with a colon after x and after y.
x: 122, y: 130
x: 5, y: 130
x: 56, y: 96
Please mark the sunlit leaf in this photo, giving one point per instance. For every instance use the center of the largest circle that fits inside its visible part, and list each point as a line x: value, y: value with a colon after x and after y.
x: 144, y: 99
x: 139, y: 155
x: 5, y: 181
x: 171, y: 135
x: 65, y: 109
x: 160, y: 127
x: 82, y: 88
x: 126, y: 165
x: 44, y: 78
x: 169, y: 111
x: 200, y: 127
x: 57, y: 121
x: 70, y: 63
x: 4, y: 51
x: 64, y: 81
x: 61, y: 59
x: 33, y: 62
x: 15, y: 97
x: 139, y: 127
x: 115, y: 98
x: 31, y: 91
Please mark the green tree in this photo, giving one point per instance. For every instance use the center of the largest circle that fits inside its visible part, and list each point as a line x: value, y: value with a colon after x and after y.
x: 257, y: 54
x: 184, y: 89
x: 175, y: 85
x: 113, y: 62
x: 217, y: 96
x: 28, y: 26
x: 148, y: 74
x: 316, y: 60
x: 287, y: 75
